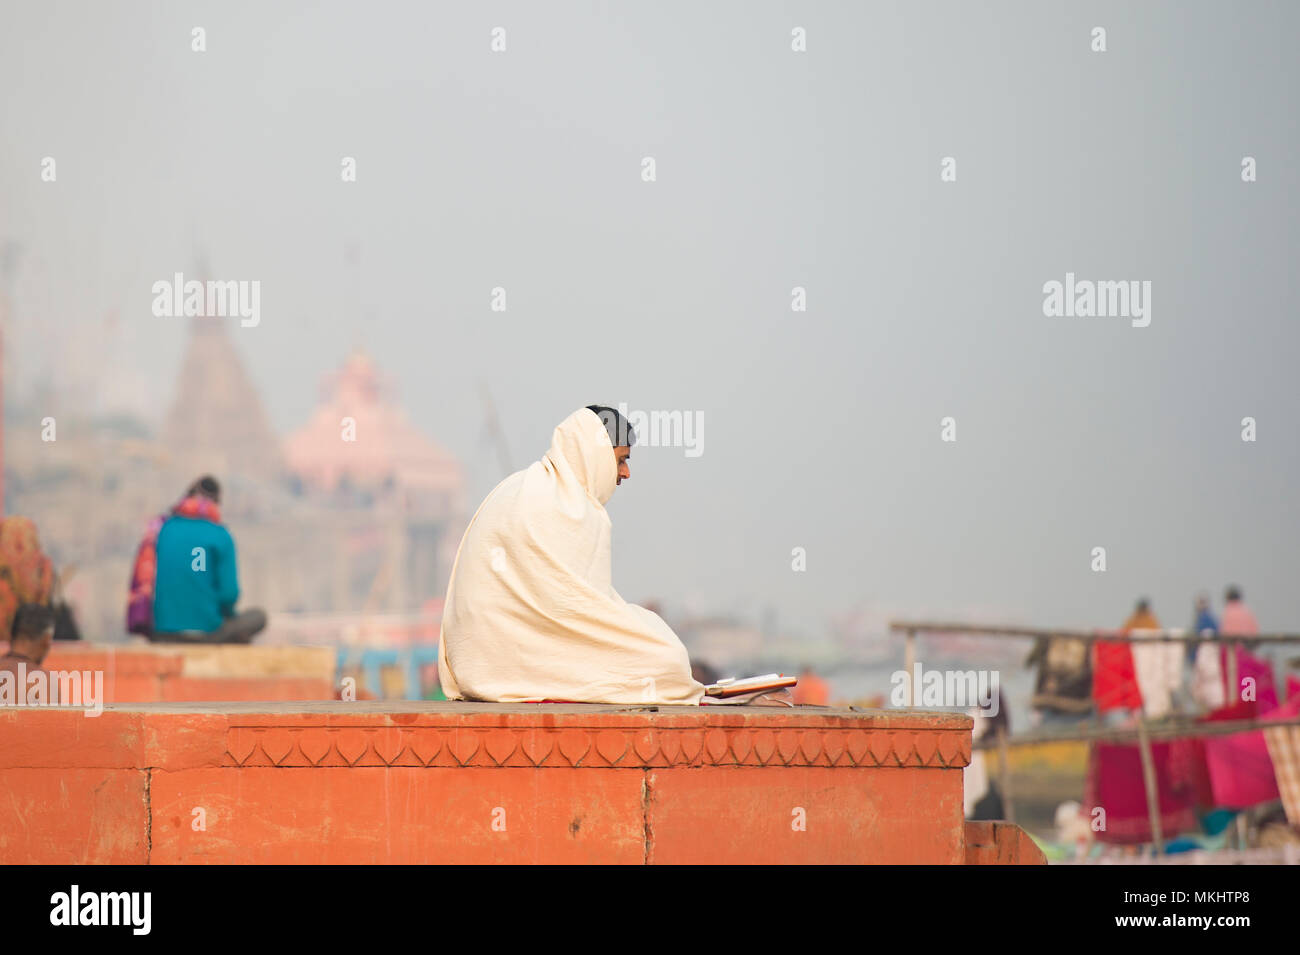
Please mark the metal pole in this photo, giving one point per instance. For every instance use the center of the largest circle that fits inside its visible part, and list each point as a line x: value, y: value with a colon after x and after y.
x: 1234, y: 685
x: 1149, y: 783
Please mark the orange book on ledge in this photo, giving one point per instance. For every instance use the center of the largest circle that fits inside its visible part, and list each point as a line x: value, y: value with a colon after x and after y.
x: 751, y: 688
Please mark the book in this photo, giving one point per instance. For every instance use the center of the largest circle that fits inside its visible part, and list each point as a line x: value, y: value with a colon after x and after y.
x: 732, y: 689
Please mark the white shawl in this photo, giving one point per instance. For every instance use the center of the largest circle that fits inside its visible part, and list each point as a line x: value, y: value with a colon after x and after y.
x: 531, y: 611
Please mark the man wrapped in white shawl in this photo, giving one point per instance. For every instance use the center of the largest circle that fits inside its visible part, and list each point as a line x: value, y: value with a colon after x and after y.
x: 531, y: 611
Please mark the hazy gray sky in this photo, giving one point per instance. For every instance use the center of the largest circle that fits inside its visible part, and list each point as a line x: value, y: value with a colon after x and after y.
x: 775, y: 169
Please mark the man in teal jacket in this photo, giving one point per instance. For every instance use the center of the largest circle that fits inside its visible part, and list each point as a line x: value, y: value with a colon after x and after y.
x: 197, y: 584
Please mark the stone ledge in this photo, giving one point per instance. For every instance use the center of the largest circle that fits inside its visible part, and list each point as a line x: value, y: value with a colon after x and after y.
x: 384, y: 782
x: 1001, y: 843
x: 195, y: 660
x: 484, y: 735
x: 141, y: 672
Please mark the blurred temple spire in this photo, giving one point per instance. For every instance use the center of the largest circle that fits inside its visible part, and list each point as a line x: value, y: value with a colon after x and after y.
x: 216, y: 422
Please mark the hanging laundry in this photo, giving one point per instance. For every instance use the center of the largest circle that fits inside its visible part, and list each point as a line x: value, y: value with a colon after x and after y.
x: 1115, y: 784
x: 1284, y: 751
x: 1241, y: 766
x: 1114, y: 679
x: 1187, y: 764
x: 1207, y: 677
x: 1254, y: 677
x: 1241, y: 771
x: 1159, y: 668
x: 1064, y: 683
x: 1114, y: 674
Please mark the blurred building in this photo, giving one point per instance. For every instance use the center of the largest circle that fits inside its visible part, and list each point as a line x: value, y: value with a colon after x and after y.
x: 332, y: 521
x: 397, y: 497
x: 216, y: 423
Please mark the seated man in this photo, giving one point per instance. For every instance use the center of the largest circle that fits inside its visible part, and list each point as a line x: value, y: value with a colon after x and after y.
x: 531, y: 612
x: 196, y: 584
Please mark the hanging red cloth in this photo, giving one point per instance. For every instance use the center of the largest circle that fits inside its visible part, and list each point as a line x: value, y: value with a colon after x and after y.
x: 1115, y: 784
x: 1114, y: 678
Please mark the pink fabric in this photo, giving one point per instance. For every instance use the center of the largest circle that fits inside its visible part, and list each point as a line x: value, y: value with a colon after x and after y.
x: 1258, y: 669
x: 1241, y: 771
x: 1115, y: 784
x: 1187, y: 763
x: 1291, y: 708
x: 1240, y: 766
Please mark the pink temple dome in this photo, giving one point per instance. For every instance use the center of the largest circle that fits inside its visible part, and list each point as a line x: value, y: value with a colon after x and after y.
x: 387, y: 447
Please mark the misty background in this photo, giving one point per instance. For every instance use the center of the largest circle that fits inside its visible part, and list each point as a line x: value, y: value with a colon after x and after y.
x: 775, y: 169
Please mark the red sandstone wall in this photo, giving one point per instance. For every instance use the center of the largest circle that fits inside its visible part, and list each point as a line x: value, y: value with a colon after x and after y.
x: 1001, y: 843
x: 151, y: 676
x: 464, y: 783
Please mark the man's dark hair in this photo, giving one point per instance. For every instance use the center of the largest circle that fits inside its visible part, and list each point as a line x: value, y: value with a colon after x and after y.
x: 208, y: 487
x: 1234, y: 593
x: 620, y: 431
x: 1143, y: 605
x: 32, y: 620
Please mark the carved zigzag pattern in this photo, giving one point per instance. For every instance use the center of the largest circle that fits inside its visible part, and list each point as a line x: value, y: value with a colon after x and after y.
x: 594, y: 748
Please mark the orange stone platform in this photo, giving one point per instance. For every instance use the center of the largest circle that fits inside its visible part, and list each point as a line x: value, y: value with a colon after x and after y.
x: 416, y: 782
x: 140, y: 672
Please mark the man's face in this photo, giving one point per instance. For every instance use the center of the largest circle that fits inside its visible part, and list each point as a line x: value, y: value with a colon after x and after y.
x: 621, y: 455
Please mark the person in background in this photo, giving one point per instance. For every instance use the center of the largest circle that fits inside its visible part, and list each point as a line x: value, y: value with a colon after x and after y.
x: 701, y: 672
x: 1204, y: 621
x: 1142, y: 618
x: 811, y: 689
x: 30, y: 638
x: 1238, y: 621
x: 982, y: 796
x: 65, y: 619
x: 196, y: 584
x: 26, y: 573
x: 1157, y: 664
x: 1206, y: 687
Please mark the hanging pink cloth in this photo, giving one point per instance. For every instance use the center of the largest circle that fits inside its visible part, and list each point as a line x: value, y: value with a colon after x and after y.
x: 1115, y: 784
x: 1255, y: 668
x: 1241, y: 771
x: 1240, y: 766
